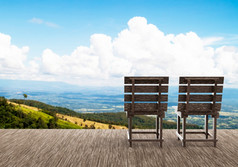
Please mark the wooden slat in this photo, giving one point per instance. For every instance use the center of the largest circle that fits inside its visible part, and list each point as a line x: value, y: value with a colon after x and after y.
x: 143, y: 132
x: 146, y: 80
x: 213, y: 114
x: 187, y: 102
x: 109, y: 147
x: 159, y: 113
x: 200, y: 98
x: 133, y: 96
x: 201, y: 80
x: 146, y: 89
x: 214, y: 97
x: 199, y: 107
x: 145, y: 98
x: 200, y: 89
x: 145, y: 107
x: 146, y: 140
x: 201, y: 140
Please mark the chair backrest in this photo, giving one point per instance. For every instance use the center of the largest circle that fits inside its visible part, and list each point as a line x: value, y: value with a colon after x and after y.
x: 200, y: 95
x: 145, y: 95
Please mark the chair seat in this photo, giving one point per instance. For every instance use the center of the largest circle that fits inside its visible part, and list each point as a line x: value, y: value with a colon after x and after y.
x: 183, y: 114
x: 146, y: 113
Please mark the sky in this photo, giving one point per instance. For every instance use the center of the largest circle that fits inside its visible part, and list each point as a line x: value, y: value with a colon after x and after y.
x: 98, y: 42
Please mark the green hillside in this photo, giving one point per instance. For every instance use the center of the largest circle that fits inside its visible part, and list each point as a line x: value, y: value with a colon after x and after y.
x: 16, y: 116
x: 118, y: 118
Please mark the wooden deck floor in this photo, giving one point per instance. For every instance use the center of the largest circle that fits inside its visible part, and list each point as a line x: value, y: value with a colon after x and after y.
x: 90, y: 148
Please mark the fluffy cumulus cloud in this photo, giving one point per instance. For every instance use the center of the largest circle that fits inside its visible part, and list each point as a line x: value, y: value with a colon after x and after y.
x: 153, y: 53
x: 14, y: 63
x: 12, y: 58
x: 226, y: 60
x: 140, y: 49
x: 96, y: 64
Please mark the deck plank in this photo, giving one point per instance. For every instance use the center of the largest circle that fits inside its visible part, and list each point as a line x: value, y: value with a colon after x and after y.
x: 110, y: 148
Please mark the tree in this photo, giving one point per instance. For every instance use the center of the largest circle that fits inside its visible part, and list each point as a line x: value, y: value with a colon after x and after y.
x: 25, y: 96
x: 41, y: 124
x: 92, y: 127
x: 52, y: 124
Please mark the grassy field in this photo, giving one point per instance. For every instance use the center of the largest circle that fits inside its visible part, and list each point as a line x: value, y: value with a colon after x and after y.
x: 88, y: 123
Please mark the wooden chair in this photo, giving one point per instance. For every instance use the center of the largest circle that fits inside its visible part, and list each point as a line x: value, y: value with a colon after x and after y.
x: 199, y: 96
x: 145, y: 96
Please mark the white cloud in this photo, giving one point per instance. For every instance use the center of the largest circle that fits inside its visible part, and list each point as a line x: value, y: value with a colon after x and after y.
x: 53, y: 25
x: 36, y: 21
x: 226, y: 39
x: 95, y: 64
x: 12, y: 58
x: 226, y: 59
x: 40, y: 21
x: 140, y: 49
x: 154, y: 53
x: 212, y: 40
x: 14, y: 63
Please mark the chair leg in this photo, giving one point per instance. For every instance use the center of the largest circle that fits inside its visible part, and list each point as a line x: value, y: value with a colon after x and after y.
x: 130, y: 130
x: 214, y: 130
x: 184, y: 132
x: 178, y: 125
x: 160, y: 130
x: 157, y: 127
x: 206, y: 126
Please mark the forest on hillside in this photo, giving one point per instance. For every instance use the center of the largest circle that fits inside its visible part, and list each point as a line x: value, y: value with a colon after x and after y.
x: 12, y: 117
x: 17, y: 117
x: 119, y: 118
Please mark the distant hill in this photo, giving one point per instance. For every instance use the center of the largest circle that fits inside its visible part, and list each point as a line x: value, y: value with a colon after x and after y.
x: 119, y: 118
x: 88, y: 98
x: 27, y: 85
x: 53, y: 86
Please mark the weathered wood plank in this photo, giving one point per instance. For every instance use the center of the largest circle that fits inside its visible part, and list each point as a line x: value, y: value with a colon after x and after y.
x: 160, y: 114
x: 201, y: 140
x: 199, y: 107
x: 146, y: 80
x: 200, y: 89
x: 201, y: 80
x: 146, y: 97
x: 145, y: 107
x: 90, y: 147
x: 201, y: 98
x: 146, y: 89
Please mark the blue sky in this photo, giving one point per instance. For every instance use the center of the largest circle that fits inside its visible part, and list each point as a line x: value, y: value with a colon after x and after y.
x: 79, y: 19
x: 62, y: 26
